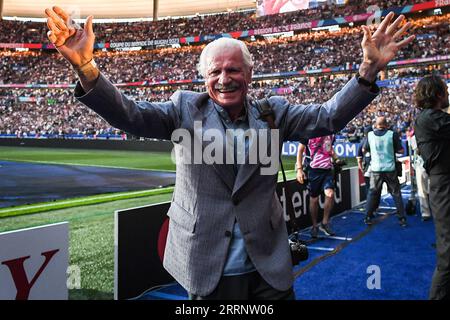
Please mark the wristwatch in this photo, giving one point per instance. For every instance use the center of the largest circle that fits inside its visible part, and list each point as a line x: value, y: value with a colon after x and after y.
x: 373, y: 87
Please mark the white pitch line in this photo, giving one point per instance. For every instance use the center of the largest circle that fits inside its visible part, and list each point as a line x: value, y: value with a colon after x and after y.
x: 327, y: 237
x: 75, y: 201
x: 384, y: 213
x: 336, y: 238
x: 320, y: 248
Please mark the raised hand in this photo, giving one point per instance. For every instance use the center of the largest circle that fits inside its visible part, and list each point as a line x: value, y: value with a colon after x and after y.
x: 382, y: 46
x: 76, y: 44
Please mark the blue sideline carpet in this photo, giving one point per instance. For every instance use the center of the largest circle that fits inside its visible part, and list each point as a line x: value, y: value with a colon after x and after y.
x: 380, y: 262
x: 26, y: 183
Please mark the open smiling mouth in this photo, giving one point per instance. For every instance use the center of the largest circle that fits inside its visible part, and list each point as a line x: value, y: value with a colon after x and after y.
x: 227, y: 89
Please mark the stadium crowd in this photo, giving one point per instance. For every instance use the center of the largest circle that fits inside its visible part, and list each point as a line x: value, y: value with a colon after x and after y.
x: 26, y: 113
x: 35, y: 32
x: 55, y: 112
x: 29, y: 112
x: 304, y: 51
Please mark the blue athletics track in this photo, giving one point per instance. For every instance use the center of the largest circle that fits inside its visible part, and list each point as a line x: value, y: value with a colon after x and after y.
x: 382, y: 262
x: 25, y: 183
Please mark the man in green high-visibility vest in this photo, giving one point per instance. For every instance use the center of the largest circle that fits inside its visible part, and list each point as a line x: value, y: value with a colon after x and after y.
x: 382, y: 144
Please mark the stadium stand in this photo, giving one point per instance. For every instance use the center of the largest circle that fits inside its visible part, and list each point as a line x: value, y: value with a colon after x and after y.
x: 35, y: 89
x: 33, y: 32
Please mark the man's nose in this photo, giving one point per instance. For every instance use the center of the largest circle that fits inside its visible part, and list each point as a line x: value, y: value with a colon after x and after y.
x: 224, y: 78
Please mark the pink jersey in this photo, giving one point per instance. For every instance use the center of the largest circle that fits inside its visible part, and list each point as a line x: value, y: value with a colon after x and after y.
x: 321, y: 151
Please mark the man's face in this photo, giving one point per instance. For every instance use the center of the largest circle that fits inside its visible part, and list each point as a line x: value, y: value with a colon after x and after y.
x: 227, y: 77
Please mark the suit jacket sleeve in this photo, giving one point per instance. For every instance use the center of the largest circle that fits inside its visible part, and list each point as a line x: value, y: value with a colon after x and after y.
x: 316, y: 120
x: 144, y: 119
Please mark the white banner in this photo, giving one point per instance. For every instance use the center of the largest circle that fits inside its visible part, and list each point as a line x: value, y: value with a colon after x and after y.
x: 34, y: 262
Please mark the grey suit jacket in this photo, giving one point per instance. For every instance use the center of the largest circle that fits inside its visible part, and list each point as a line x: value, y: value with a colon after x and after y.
x: 208, y: 198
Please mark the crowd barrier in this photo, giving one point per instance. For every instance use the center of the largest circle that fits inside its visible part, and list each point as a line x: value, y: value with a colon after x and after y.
x: 342, y: 149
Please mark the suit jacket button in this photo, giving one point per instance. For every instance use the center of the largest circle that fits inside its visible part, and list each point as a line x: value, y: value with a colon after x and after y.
x: 227, y: 234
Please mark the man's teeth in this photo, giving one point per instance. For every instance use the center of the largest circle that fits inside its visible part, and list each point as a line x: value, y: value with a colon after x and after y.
x: 227, y: 90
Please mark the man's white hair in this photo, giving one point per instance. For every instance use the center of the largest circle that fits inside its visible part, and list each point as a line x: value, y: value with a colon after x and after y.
x: 222, y: 43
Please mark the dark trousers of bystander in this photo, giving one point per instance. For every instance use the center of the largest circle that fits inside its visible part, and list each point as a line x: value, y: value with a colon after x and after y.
x: 367, y: 181
x: 376, y: 183
x: 440, y: 206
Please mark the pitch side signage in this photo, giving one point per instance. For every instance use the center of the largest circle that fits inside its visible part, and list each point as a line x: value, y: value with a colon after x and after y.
x: 34, y: 262
x: 342, y: 149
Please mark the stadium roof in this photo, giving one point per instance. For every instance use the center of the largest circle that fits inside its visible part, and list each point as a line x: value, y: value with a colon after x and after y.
x: 122, y: 8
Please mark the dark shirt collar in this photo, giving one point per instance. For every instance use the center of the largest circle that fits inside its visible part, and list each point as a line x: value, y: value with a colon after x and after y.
x: 223, y: 113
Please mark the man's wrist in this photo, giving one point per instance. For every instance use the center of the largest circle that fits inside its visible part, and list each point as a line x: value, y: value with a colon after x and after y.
x: 90, y: 62
x: 86, y: 68
x: 368, y: 71
x: 88, y: 74
x: 371, y: 85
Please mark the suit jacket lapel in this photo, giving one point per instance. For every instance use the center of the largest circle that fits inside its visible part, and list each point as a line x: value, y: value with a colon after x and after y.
x: 247, y: 170
x: 210, y: 120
